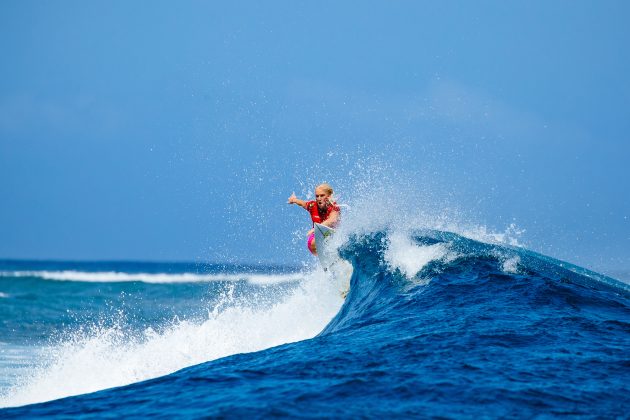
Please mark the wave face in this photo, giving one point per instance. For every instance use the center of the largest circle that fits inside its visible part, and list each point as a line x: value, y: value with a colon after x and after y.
x: 435, y: 324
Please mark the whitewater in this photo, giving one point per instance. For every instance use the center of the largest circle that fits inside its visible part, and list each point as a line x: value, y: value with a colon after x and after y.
x: 244, y: 312
x: 441, y: 320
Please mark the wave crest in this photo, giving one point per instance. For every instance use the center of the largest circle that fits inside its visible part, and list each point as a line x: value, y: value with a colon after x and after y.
x: 117, y: 277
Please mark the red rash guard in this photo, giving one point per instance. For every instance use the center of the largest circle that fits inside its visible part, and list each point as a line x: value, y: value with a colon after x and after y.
x: 316, y: 216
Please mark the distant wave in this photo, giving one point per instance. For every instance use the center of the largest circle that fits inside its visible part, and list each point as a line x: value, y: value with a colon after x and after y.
x: 3, y: 295
x: 114, y: 276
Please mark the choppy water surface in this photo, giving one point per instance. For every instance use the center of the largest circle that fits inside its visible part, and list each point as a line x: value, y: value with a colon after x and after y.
x: 435, y: 324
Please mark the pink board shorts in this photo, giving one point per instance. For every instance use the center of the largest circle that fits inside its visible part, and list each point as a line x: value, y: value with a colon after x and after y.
x: 309, y: 241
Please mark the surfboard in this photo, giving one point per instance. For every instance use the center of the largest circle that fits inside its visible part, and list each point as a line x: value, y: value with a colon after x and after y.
x: 337, y: 268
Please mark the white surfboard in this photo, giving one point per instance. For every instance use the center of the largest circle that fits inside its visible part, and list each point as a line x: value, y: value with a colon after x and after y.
x: 339, y: 269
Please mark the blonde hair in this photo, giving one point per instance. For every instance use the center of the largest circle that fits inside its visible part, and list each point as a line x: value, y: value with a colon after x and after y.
x: 326, y: 187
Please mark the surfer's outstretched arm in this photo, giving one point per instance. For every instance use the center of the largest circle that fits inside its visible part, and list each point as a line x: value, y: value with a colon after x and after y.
x: 294, y: 200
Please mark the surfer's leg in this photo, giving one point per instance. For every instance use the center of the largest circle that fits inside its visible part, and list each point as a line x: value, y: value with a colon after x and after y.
x: 310, y: 243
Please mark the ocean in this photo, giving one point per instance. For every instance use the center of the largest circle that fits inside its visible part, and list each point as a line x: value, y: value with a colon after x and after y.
x: 436, y: 324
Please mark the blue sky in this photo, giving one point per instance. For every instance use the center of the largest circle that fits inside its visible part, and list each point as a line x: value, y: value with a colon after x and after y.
x: 163, y: 131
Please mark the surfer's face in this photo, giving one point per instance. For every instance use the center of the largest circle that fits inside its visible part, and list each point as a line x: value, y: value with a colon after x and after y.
x: 321, y: 197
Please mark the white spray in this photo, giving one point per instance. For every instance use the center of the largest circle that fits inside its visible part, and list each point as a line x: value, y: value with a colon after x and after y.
x: 110, y: 357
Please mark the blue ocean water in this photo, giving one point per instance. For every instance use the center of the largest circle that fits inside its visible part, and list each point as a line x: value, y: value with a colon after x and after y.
x: 435, y: 324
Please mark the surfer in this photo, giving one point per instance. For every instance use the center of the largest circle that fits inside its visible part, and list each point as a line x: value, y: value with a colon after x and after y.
x: 322, y: 210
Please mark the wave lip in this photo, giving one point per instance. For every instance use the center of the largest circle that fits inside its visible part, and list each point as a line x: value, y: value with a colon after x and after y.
x: 389, y: 264
x: 157, y: 278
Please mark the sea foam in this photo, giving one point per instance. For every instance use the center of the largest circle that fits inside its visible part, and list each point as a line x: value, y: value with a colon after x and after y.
x: 114, y: 276
x: 409, y: 258
x: 101, y: 358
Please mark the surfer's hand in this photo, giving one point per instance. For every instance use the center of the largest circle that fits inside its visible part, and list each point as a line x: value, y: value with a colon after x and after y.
x: 292, y: 199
